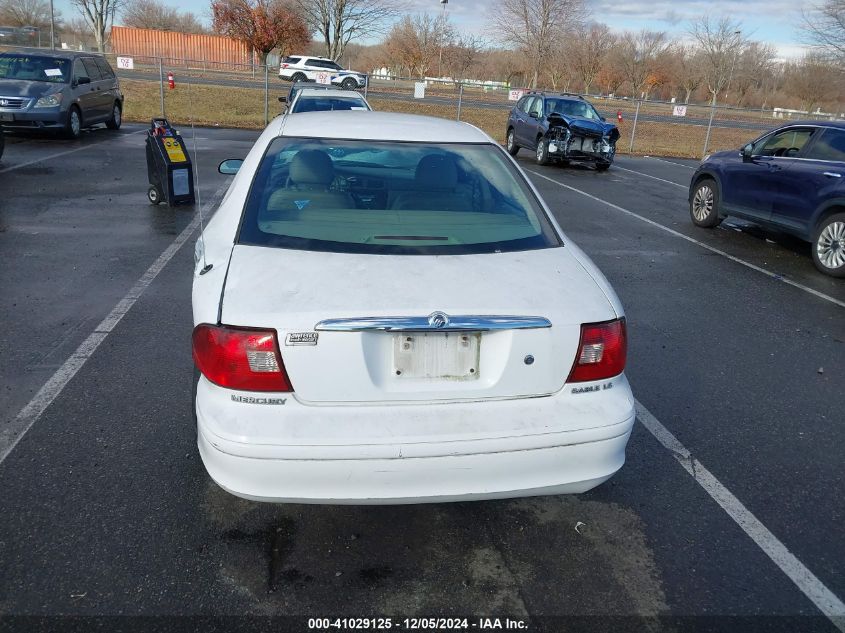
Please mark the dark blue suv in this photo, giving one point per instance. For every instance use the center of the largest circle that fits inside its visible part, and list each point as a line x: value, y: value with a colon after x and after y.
x: 561, y: 126
x: 791, y: 179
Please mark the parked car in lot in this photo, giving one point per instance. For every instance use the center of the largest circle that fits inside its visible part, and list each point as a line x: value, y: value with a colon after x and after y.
x: 305, y: 68
x: 561, y: 127
x: 309, y: 100
x: 8, y: 35
x: 59, y: 90
x: 385, y: 311
x: 791, y: 179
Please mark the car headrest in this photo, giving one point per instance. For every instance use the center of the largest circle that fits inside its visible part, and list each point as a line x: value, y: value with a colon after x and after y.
x: 437, y: 172
x: 311, y: 167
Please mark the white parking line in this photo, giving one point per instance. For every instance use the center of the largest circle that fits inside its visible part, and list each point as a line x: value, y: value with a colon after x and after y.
x: 17, y: 428
x: 663, y: 160
x: 825, y: 600
x: 692, y: 240
x: 66, y: 152
x: 668, y: 182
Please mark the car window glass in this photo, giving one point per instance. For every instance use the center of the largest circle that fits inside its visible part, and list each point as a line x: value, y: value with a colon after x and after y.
x: 787, y: 143
x: 79, y: 70
x: 569, y: 107
x: 92, y: 68
x: 34, y: 68
x: 291, y: 60
x: 105, y: 70
x: 534, y: 105
x: 321, y: 104
x: 390, y: 197
x: 520, y: 105
x: 830, y: 146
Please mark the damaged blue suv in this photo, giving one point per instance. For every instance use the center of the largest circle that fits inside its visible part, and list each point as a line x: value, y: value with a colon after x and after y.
x: 562, y: 127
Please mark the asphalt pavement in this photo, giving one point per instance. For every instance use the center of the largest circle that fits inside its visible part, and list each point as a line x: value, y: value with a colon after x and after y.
x: 737, y: 348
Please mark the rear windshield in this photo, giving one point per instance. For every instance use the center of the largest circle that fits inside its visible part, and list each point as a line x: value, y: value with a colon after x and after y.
x: 392, y: 198
x: 34, y: 68
x: 320, y: 104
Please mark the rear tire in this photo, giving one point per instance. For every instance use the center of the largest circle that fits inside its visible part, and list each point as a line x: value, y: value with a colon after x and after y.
x: 116, y: 117
x: 510, y: 143
x: 154, y: 195
x: 298, y: 77
x: 542, y: 155
x: 704, y: 204
x: 602, y: 166
x: 828, y: 245
x: 73, y: 125
x: 349, y: 84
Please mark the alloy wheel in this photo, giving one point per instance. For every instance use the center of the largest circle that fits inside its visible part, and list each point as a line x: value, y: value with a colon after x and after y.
x: 702, y: 203
x: 830, y: 246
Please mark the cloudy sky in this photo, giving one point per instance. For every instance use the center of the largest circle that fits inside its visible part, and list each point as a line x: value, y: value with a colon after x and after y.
x: 770, y: 21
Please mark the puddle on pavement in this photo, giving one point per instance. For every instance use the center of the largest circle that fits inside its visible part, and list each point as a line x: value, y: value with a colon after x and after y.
x: 509, y: 557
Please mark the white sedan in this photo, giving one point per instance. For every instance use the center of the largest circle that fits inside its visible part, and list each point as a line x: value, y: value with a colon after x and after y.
x: 385, y: 311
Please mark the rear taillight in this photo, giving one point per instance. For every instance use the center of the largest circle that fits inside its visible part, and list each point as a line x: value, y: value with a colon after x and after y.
x: 601, y: 351
x: 240, y: 358
x: 284, y: 65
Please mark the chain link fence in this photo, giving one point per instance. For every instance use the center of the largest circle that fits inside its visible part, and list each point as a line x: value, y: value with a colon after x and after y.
x: 246, y: 95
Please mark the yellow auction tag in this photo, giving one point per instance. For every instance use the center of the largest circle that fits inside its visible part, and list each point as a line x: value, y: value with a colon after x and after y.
x: 174, y: 150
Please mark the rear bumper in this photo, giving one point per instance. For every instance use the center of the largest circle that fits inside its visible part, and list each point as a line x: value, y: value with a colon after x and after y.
x: 365, y: 455
x: 544, y: 471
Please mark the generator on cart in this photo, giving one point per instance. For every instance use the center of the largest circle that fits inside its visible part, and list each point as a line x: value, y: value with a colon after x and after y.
x: 169, y: 168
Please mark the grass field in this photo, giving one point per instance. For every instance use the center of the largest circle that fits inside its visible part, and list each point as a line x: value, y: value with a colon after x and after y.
x: 244, y: 108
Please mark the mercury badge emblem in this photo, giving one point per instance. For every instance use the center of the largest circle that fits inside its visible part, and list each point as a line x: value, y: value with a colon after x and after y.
x: 438, y: 320
x: 4, y: 102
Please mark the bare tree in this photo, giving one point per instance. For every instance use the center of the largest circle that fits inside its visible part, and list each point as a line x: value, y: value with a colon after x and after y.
x: 815, y: 80
x: 640, y: 58
x: 461, y: 54
x: 414, y: 42
x: 588, y: 49
x: 689, y: 72
x: 152, y: 14
x: 720, y: 42
x: 99, y: 15
x: 752, y: 68
x: 338, y: 22
x: 27, y: 13
x: 533, y: 26
x: 824, y: 27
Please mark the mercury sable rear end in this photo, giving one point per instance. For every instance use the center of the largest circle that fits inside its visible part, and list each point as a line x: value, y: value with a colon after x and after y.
x: 386, y: 312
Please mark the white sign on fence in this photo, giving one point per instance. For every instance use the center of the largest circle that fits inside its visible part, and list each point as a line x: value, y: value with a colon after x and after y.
x: 125, y: 63
x: 324, y: 78
x: 419, y: 90
x: 515, y: 95
x: 679, y: 110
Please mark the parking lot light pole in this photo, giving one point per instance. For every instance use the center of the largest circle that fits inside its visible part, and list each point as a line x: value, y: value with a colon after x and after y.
x: 52, y: 27
x: 266, y: 93
x: 443, y: 3
x: 634, y: 129
x: 161, y: 85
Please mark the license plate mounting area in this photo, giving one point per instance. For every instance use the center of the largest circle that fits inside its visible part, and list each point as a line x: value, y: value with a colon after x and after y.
x: 436, y: 355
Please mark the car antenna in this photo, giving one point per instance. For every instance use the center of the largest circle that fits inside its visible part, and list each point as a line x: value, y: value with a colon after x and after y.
x: 205, y: 265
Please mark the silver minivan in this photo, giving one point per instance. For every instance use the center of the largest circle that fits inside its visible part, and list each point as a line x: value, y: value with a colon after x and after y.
x: 60, y: 90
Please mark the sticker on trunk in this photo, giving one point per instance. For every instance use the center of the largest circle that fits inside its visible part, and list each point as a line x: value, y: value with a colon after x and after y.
x: 301, y: 338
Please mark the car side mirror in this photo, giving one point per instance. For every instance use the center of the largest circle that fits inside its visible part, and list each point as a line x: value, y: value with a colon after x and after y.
x: 604, y: 119
x: 746, y: 153
x: 83, y: 80
x: 534, y: 115
x: 283, y: 99
x: 230, y: 166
